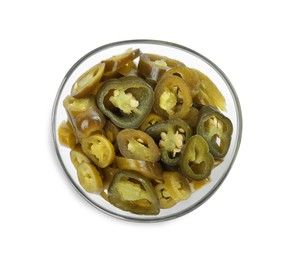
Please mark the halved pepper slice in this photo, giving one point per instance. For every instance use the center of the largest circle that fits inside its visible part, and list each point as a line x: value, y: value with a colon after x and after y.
x: 99, y: 149
x: 216, y: 129
x: 130, y: 191
x: 148, y: 169
x: 171, y: 135
x: 152, y: 66
x: 173, y: 97
x: 196, y: 161
x: 136, y: 144
x: 126, y: 101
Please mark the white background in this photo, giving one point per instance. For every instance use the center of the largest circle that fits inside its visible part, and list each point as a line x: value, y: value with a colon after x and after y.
x: 42, y: 217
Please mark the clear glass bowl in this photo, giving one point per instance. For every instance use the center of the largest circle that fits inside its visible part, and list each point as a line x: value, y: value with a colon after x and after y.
x: 191, y: 59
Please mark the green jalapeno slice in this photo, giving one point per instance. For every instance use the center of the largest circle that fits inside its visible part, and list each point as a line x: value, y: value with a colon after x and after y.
x: 196, y: 161
x: 126, y: 101
x: 130, y: 191
x: 171, y: 135
x: 216, y: 129
x: 136, y: 144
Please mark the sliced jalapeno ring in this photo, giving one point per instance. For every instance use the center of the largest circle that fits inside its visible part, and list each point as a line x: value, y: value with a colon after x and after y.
x: 90, y: 178
x: 173, y: 97
x: 165, y: 199
x: 171, y: 136
x: 88, y: 82
x: 196, y: 162
x: 130, y: 191
x: 136, y: 144
x: 66, y: 134
x: 216, y: 129
x: 126, y: 101
x: 99, y: 149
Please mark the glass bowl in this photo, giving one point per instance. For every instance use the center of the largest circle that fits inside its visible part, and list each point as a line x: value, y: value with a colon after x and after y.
x: 191, y: 59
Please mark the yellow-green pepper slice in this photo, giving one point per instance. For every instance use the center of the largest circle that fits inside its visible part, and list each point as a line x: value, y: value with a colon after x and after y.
x: 88, y: 82
x: 173, y: 97
x: 136, y: 144
x: 99, y: 149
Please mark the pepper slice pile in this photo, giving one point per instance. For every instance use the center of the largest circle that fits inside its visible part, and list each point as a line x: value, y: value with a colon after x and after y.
x: 144, y: 131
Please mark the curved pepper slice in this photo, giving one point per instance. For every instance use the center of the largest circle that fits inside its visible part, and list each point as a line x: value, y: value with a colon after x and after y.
x: 208, y: 93
x: 89, y: 177
x: 216, y: 129
x: 118, y: 61
x: 173, y: 97
x: 130, y: 191
x: 136, y: 144
x: 99, y: 149
x: 126, y: 101
x: 177, y: 185
x: 152, y: 66
x: 84, y: 116
x: 88, y: 82
x: 171, y: 135
x: 148, y: 169
x: 196, y: 162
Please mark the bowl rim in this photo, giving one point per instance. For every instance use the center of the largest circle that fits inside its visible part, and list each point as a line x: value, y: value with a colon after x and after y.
x: 156, y: 218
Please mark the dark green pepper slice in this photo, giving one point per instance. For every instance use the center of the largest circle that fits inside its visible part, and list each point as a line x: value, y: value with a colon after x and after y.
x: 216, y: 129
x: 171, y: 135
x: 126, y: 101
x: 130, y: 191
x: 196, y: 162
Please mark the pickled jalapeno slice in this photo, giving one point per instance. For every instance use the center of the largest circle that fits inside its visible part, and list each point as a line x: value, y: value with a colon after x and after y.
x: 130, y: 191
